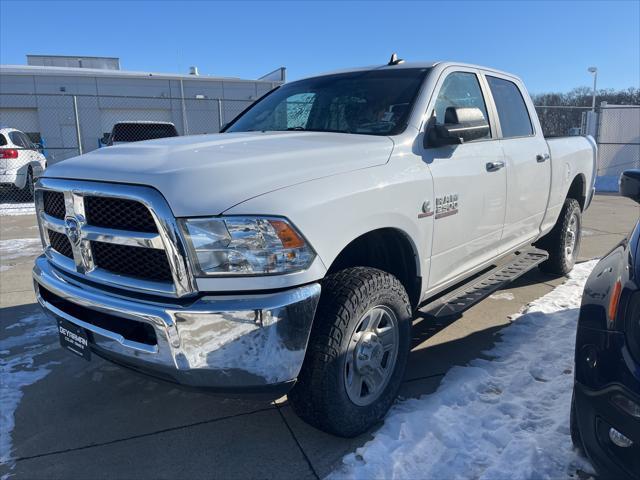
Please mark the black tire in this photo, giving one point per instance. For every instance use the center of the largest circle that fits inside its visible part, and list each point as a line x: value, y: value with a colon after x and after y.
x: 557, y: 240
x: 320, y: 396
x: 26, y: 192
x: 576, y: 437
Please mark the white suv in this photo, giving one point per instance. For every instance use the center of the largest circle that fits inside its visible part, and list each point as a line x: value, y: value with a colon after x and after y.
x: 20, y: 160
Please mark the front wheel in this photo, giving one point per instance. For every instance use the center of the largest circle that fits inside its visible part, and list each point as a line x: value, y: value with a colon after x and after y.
x: 563, y: 241
x: 574, y: 429
x: 357, y: 352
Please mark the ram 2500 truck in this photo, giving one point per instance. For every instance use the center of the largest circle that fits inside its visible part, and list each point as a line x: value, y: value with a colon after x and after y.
x: 289, y: 252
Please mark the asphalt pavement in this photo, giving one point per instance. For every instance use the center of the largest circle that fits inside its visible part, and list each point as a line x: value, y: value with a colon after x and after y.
x: 78, y: 419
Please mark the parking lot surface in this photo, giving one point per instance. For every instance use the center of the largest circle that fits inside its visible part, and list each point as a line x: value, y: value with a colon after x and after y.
x: 63, y: 417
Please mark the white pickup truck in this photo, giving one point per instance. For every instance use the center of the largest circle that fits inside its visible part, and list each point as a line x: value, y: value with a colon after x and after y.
x: 288, y: 253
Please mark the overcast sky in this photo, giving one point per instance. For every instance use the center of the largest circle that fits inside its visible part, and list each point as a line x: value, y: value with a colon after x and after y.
x: 549, y: 44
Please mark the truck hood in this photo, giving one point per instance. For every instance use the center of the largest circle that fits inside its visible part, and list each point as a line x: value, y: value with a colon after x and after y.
x: 208, y: 174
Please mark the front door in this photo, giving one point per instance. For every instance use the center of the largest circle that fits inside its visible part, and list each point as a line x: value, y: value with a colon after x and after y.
x: 469, y: 196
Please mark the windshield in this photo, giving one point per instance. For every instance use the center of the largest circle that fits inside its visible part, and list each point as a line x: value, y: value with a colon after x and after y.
x: 373, y: 102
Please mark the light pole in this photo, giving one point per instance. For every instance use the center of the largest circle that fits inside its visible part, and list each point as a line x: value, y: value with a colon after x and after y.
x: 593, y: 70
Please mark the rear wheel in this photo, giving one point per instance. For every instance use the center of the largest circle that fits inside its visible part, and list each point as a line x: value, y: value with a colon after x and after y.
x: 357, y: 352
x: 26, y: 192
x: 563, y: 241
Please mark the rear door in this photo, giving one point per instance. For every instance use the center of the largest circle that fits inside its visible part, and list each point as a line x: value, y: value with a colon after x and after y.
x: 24, y: 154
x: 36, y: 159
x: 527, y: 158
x: 469, y: 199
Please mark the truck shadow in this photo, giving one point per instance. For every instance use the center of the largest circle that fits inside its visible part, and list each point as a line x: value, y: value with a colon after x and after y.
x: 429, y: 363
x: 99, y: 409
x: 425, y: 327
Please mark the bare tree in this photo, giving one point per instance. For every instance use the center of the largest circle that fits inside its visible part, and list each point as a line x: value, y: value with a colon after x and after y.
x: 559, y: 112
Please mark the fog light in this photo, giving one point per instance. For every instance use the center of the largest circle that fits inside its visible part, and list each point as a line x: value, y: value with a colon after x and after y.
x: 626, y: 405
x: 619, y: 439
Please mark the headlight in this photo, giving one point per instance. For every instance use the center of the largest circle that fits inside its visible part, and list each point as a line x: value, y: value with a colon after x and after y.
x: 245, y: 246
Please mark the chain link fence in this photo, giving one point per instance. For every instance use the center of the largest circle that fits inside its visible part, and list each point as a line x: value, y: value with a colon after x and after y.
x: 40, y: 130
x: 618, y: 143
x: 59, y: 126
x: 558, y: 121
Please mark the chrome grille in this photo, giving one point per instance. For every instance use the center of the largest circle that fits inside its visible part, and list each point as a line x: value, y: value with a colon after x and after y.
x: 54, y: 204
x: 119, y: 214
x: 138, y: 262
x: 119, y: 235
x: 60, y: 243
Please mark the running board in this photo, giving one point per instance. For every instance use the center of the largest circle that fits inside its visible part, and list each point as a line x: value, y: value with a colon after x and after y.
x: 465, y: 296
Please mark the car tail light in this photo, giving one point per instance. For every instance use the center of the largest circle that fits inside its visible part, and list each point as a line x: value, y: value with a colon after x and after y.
x: 8, y: 153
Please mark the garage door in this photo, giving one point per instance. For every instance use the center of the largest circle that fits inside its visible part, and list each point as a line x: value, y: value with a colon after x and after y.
x: 25, y: 119
x: 111, y: 116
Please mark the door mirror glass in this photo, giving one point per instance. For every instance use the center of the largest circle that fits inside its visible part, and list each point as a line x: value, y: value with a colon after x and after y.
x: 630, y: 185
x: 461, y: 124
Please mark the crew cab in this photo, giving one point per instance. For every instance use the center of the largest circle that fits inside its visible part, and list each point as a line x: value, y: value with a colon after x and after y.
x: 20, y: 161
x: 289, y: 252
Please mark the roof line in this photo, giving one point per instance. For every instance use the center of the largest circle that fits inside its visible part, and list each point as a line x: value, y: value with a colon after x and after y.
x: 77, y: 71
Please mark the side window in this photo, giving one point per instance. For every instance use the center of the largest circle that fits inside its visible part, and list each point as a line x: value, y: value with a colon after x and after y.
x: 3, y: 140
x: 460, y: 89
x: 512, y: 111
x: 26, y: 141
x: 17, y: 139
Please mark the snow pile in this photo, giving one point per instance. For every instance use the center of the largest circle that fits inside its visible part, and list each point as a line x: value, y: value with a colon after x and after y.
x: 505, y: 418
x: 12, y: 209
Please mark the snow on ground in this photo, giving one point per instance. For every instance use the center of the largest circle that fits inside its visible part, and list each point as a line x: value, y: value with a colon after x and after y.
x: 19, y: 247
x: 11, y: 209
x: 21, y: 342
x: 503, y: 418
x: 503, y: 296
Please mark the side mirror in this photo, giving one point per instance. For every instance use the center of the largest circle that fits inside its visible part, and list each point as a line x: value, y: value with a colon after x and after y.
x: 460, y: 125
x: 106, y: 139
x: 630, y: 185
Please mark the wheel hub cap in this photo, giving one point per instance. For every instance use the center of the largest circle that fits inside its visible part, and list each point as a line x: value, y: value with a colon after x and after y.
x: 571, y: 238
x: 371, y: 355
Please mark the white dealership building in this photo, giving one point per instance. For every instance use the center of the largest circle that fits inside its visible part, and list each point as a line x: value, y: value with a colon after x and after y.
x: 68, y: 103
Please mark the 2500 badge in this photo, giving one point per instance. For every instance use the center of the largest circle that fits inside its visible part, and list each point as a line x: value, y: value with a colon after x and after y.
x: 446, y: 205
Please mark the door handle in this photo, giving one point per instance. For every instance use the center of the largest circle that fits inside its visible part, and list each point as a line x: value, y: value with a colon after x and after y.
x: 542, y: 158
x: 494, y: 166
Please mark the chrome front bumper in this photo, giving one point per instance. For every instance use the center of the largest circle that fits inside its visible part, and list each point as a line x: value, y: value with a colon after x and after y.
x: 230, y: 343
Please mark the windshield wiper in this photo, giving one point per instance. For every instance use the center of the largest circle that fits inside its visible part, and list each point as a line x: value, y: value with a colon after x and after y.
x: 302, y: 129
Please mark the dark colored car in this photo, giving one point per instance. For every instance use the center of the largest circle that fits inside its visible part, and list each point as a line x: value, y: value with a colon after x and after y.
x: 124, y: 132
x: 605, y: 411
